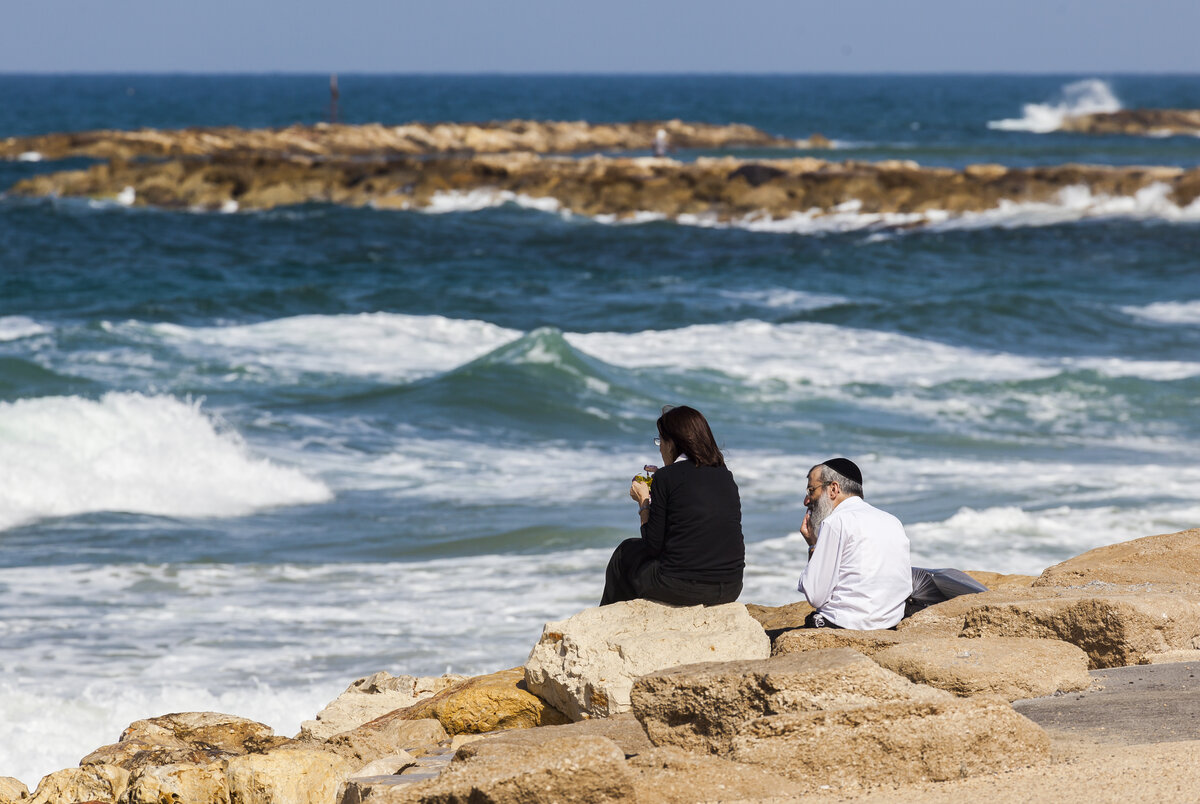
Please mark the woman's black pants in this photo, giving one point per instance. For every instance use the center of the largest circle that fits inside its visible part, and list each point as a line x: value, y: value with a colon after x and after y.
x: 631, y: 574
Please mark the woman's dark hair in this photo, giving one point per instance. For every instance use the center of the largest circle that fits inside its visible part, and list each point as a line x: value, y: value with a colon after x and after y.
x: 688, y: 430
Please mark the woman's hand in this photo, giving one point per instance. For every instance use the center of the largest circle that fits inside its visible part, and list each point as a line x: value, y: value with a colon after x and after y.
x: 639, y: 492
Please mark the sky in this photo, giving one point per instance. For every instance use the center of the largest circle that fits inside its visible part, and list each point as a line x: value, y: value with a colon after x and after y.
x: 616, y: 36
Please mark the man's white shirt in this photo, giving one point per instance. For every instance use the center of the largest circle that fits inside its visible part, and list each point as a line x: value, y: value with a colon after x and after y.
x: 860, y: 575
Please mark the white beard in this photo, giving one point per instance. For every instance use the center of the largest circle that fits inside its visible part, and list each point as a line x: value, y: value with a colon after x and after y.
x: 818, y: 513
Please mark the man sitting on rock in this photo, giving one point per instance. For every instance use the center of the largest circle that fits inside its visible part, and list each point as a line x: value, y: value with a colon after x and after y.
x: 858, y: 575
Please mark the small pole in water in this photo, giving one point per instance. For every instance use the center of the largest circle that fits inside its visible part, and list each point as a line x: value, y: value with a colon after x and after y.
x: 333, y: 98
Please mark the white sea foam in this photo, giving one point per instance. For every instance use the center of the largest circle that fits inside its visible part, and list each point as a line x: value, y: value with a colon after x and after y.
x: 61, y: 456
x: 30, y: 156
x: 387, y: 345
x: 1090, y: 96
x: 475, y: 200
x: 126, y: 197
x: 13, y: 327
x: 1180, y: 312
x: 786, y: 298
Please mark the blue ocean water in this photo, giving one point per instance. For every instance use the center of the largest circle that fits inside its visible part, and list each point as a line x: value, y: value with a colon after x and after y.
x: 247, y: 458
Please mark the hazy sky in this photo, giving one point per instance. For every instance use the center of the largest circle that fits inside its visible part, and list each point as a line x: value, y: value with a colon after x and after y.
x: 1075, y: 36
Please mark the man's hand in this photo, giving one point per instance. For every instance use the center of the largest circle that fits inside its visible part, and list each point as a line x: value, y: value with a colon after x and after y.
x: 806, y: 530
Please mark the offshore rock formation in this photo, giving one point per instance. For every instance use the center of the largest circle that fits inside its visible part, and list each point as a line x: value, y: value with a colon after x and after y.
x: 1144, y: 122
x: 720, y: 189
x: 376, y: 140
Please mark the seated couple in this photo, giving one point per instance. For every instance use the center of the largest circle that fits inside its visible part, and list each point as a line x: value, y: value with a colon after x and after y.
x: 691, y: 550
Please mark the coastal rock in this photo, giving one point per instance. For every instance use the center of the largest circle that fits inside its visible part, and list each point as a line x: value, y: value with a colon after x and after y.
x: 370, y: 697
x: 673, y: 776
x: 1168, y: 558
x: 75, y: 785
x: 1114, y: 630
x: 133, y: 755
x: 585, y: 666
x: 1172, y: 657
x: 624, y: 730
x: 193, y: 784
x: 292, y: 775
x: 996, y: 581
x: 701, y: 707
x: 204, y: 730
x: 1011, y: 668
x: 483, y: 703
x: 390, y: 765
x: 570, y: 770
x: 375, y: 740
x: 773, y: 618
x: 867, y: 643
x: 1143, y: 122
x: 893, y: 743
x: 12, y: 791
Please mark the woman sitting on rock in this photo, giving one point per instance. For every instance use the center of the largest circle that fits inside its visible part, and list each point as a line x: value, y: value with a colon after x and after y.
x: 691, y: 550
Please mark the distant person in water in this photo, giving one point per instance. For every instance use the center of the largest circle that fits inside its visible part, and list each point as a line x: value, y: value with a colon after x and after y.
x: 858, y: 575
x: 691, y: 550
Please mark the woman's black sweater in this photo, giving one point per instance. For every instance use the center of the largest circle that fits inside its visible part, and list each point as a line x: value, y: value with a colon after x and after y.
x: 695, y: 524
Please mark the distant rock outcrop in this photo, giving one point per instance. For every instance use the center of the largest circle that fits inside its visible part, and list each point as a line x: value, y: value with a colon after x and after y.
x: 1143, y: 122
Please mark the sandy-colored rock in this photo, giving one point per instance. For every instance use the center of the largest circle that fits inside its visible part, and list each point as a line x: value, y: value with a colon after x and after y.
x: 369, y: 698
x: 1114, y: 630
x: 381, y: 738
x: 1172, y: 657
x: 133, y: 755
x: 386, y: 766
x: 193, y: 784
x: 997, y: 581
x: 1168, y: 558
x: 775, y: 617
x: 585, y: 665
x: 75, y: 785
x: 571, y: 770
x: 201, y: 730
x: 893, y: 743
x: 1010, y: 667
x: 623, y: 729
x: 483, y: 703
x: 1136, y: 122
x: 673, y: 776
x: 867, y: 643
x: 12, y: 791
x: 288, y: 775
x: 701, y: 707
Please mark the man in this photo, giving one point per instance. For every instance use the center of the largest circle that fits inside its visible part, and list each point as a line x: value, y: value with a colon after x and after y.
x: 858, y: 575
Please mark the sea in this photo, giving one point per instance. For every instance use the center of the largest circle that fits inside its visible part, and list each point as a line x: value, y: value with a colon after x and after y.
x: 248, y: 458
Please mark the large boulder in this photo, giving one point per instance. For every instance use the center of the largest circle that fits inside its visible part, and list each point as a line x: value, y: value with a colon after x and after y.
x: 194, y: 784
x: 483, y: 703
x: 1010, y: 667
x: 369, y: 698
x: 673, y: 776
x: 133, y: 755
x: 701, y: 707
x: 375, y: 740
x: 1113, y: 629
x: 570, y: 770
x: 893, y: 743
x: 867, y: 643
x: 1168, y: 558
x: 12, y: 791
x: 288, y: 775
x: 201, y: 730
x: 585, y: 666
x: 76, y: 785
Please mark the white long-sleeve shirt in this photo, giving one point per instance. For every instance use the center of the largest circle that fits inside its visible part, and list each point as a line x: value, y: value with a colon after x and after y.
x: 860, y: 575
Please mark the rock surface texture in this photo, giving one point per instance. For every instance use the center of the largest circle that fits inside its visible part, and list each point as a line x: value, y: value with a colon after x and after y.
x: 585, y: 666
x: 287, y: 776
x: 370, y: 697
x: 12, y: 790
x: 1165, y: 559
x: 1144, y: 122
x: 1011, y: 668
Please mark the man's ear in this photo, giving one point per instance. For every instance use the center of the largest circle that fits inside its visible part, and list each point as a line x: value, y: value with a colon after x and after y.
x: 835, y: 489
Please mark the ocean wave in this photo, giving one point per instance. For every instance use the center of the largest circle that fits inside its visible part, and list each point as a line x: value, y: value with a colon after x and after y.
x: 62, y: 456
x: 475, y: 200
x: 13, y: 327
x: 787, y: 298
x: 1181, y: 312
x: 1090, y: 96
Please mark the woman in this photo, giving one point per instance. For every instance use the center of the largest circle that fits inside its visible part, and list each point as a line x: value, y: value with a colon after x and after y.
x: 691, y: 550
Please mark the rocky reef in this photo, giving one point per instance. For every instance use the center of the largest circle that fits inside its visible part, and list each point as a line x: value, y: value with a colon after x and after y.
x: 1140, y: 122
x: 376, y: 140
x: 604, y: 712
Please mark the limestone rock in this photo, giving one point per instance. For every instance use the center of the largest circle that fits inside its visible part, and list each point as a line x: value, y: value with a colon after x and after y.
x: 867, y: 643
x: 133, y: 755
x: 1172, y: 656
x: 585, y: 665
x: 12, y: 791
x: 674, y: 776
x: 996, y: 581
x: 775, y: 617
x: 292, y: 775
x: 390, y: 765
x: 370, y: 697
x: 701, y: 707
x: 483, y: 703
x: 1139, y: 122
x: 1011, y: 667
x: 372, y: 741
x: 200, y: 730
x: 571, y: 770
x: 893, y: 743
x: 1169, y: 558
x: 74, y: 785
x: 624, y: 730
x: 193, y: 784
x: 1114, y: 630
